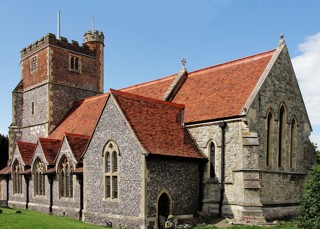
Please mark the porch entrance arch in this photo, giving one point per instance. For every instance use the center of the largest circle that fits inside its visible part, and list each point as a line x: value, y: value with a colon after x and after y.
x: 164, y: 204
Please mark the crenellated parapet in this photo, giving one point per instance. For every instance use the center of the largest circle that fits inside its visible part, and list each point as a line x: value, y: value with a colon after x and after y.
x: 93, y: 36
x: 50, y: 39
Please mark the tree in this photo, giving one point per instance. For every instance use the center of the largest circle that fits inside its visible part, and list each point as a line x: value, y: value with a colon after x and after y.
x: 315, y: 145
x: 4, y: 144
x: 310, y: 203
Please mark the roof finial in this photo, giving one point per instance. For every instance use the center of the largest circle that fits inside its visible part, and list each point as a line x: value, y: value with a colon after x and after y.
x: 184, y: 61
x: 282, y: 41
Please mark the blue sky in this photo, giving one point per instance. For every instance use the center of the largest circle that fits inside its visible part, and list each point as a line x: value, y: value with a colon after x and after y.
x: 147, y: 39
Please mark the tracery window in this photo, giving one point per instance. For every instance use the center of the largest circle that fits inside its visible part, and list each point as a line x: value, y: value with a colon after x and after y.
x: 269, y: 155
x: 39, y: 178
x: 293, y: 142
x: 65, y: 178
x: 212, y: 159
x: 111, y: 171
x: 17, y: 178
x: 282, y: 127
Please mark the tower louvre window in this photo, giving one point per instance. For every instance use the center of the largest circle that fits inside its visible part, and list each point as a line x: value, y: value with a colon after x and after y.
x: 34, y: 64
x: 74, y: 63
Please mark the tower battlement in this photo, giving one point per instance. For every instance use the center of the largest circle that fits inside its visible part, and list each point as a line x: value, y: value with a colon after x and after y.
x: 93, y: 36
x: 50, y: 39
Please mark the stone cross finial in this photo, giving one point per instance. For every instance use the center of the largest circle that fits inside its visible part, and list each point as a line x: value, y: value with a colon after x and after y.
x: 183, y: 61
x: 282, y: 41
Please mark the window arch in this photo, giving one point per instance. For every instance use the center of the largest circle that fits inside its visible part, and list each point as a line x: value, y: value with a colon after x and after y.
x: 282, y: 128
x: 111, y: 171
x: 65, y: 178
x: 269, y: 155
x: 39, y: 178
x: 293, y: 142
x: 17, y: 178
x: 212, y: 158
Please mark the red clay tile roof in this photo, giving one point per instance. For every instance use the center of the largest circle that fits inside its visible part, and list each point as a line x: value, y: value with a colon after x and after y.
x: 50, y: 148
x: 26, y: 150
x: 215, y: 92
x: 78, y: 144
x: 154, y: 89
x: 82, y: 117
x: 158, y: 125
x: 5, y: 171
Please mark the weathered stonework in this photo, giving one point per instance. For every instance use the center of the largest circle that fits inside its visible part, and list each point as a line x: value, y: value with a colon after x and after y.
x: 127, y: 209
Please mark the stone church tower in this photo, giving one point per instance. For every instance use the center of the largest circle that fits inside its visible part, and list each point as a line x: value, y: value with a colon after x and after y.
x: 54, y: 74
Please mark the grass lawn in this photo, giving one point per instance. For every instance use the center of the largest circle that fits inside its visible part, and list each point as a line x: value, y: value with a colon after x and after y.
x: 29, y: 219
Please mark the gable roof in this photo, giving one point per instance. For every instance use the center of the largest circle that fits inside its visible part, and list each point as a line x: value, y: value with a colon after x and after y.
x: 157, y: 125
x: 26, y: 150
x: 78, y: 144
x: 81, y: 118
x: 206, y: 92
x: 50, y: 148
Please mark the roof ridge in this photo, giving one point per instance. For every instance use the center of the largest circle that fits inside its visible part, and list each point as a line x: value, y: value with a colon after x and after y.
x: 26, y: 143
x: 236, y: 61
x: 127, y: 94
x: 76, y: 135
x: 48, y: 139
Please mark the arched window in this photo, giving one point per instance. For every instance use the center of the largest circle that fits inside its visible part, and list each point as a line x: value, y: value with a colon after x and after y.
x: 269, y: 149
x: 212, y: 158
x: 111, y: 170
x: 65, y: 178
x: 39, y: 178
x: 282, y: 128
x: 293, y: 142
x: 17, y: 178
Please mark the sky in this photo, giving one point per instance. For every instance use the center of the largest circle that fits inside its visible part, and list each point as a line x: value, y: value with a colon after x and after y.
x: 146, y: 40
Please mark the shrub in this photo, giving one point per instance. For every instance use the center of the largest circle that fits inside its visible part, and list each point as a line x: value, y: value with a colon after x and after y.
x: 310, y: 203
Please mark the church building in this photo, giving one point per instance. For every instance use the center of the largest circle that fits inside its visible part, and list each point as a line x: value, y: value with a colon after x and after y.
x: 230, y: 139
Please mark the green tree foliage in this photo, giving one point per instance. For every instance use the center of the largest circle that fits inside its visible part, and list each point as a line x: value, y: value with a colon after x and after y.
x: 310, y: 203
x: 4, y: 144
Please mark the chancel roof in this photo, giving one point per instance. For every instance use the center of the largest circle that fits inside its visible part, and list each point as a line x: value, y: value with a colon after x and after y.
x: 212, y: 93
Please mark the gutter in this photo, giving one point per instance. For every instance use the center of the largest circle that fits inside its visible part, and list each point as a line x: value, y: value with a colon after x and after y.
x: 223, y: 126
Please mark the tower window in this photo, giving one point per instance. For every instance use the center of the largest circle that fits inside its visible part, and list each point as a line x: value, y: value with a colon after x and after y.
x: 74, y: 63
x: 32, y: 108
x: 34, y: 64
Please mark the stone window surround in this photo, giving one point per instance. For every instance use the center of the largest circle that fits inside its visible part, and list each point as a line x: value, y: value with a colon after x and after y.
x: 111, y: 171
x: 212, y: 174
x: 34, y: 63
x: 17, y: 178
x: 293, y: 143
x: 65, y: 183
x: 39, y: 178
x: 74, y: 63
x: 282, y: 135
x: 270, y: 132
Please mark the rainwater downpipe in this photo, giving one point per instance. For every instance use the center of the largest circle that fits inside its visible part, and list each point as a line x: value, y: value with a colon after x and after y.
x: 51, y: 193
x: 27, y: 190
x: 222, y: 125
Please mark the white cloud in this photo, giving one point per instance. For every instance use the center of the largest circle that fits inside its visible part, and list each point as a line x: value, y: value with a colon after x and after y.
x: 307, y: 69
